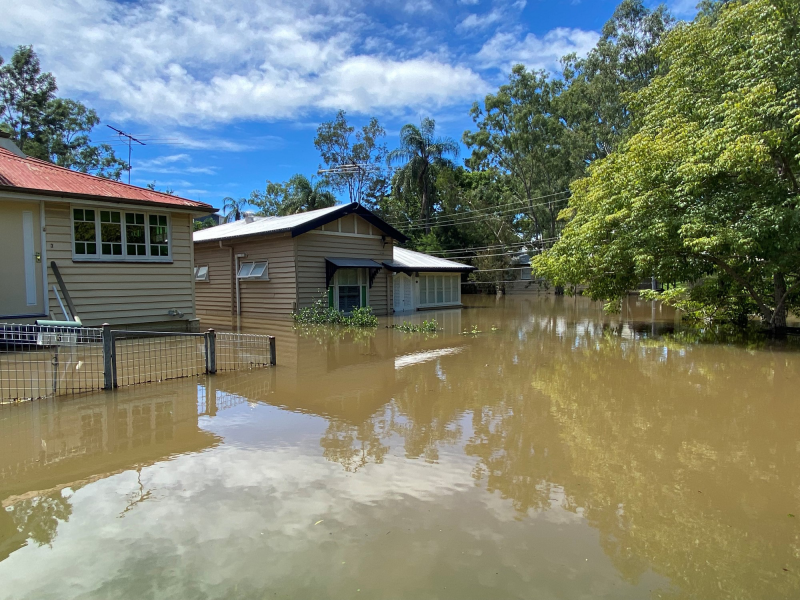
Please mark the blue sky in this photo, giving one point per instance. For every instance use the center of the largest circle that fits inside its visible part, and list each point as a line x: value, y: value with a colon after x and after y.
x: 229, y: 94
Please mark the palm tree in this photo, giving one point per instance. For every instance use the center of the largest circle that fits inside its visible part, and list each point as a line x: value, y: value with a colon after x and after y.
x: 302, y: 195
x: 419, y: 151
x: 233, y: 208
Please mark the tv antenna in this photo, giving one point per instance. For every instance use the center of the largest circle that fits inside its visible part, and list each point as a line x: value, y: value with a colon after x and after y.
x: 130, y: 140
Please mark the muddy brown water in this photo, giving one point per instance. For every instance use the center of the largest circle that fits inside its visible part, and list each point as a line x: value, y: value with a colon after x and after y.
x: 556, y: 453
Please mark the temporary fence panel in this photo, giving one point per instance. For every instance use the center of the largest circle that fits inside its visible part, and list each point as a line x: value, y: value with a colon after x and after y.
x: 40, y: 361
x: 236, y: 351
x: 145, y: 357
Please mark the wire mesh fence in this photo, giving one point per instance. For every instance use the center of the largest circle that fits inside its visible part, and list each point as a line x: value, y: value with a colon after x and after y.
x: 145, y: 358
x: 41, y: 361
x: 237, y: 351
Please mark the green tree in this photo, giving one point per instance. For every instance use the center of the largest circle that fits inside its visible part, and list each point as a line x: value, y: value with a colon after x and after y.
x: 594, y: 104
x: 298, y: 194
x: 355, y: 157
x: 420, y: 150
x: 705, y: 193
x: 50, y: 128
x: 520, y: 136
x: 234, y: 208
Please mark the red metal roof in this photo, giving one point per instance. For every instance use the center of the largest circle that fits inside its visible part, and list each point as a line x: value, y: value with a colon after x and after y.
x: 32, y: 175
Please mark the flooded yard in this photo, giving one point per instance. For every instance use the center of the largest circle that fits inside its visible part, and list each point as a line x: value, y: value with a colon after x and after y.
x: 551, y: 451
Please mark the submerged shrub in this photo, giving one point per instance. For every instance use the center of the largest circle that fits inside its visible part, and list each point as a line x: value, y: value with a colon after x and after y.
x: 431, y: 326
x: 320, y: 313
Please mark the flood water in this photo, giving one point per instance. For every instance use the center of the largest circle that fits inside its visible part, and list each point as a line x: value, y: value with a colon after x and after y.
x: 554, y: 453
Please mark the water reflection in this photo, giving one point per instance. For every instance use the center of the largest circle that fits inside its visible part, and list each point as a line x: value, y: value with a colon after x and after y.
x: 561, y: 452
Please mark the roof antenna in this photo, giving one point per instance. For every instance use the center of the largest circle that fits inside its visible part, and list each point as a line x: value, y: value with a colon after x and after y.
x: 130, y: 138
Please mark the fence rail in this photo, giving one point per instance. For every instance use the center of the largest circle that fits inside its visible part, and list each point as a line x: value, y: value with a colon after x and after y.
x: 41, y: 361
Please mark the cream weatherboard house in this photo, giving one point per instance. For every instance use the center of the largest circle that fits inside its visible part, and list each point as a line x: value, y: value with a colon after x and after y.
x: 124, y: 253
x: 344, y: 255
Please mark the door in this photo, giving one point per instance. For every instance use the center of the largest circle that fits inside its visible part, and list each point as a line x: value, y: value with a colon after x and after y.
x: 403, y: 293
x: 21, y: 267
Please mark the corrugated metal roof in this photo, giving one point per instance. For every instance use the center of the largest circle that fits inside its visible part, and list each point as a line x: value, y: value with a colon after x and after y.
x: 33, y: 175
x: 296, y: 224
x: 261, y: 225
x: 409, y: 260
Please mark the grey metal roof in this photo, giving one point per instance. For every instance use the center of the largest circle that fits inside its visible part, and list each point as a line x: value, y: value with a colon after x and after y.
x: 408, y: 260
x: 296, y: 224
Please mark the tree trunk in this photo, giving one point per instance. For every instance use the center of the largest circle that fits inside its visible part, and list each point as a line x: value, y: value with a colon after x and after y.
x: 779, y: 316
x: 559, y: 290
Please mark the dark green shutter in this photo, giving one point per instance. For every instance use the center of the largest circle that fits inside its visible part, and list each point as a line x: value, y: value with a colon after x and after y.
x: 363, y: 295
x: 330, y: 297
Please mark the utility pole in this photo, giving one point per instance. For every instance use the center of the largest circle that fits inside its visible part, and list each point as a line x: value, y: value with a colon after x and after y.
x: 130, y: 139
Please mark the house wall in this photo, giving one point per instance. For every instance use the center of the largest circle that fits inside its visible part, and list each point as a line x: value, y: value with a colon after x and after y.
x: 273, y: 298
x: 121, y: 293
x: 336, y: 239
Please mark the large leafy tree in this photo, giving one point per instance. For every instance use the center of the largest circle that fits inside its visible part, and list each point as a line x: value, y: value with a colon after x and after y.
x: 420, y: 151
x: 705, y: 193
x: 353, y: 157
x: 47, y: 127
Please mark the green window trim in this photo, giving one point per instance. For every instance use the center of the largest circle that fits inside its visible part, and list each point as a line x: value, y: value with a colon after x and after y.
x: 330, y: 297
x: 363, y: 296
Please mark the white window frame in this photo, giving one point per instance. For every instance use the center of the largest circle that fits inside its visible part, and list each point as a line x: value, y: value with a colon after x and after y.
x: 201, y: 273
x: 250, y: 274
x: 431, y: 277
x: 98, y: 256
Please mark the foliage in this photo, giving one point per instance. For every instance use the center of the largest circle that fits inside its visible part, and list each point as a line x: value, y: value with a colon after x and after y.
x: 320, y: 313
x: 420, y: 150
x: 431, y: 326
x: 706, y: 189
x: 297, y: 195
x: 50, y: 128
x: 356, y: 163
x: 234, y: 208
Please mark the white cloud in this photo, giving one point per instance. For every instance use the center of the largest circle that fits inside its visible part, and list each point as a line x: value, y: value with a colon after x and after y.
x: 686, y: 9
x: 506, y: 49
x: 499, y: 14
x: 202, y: 62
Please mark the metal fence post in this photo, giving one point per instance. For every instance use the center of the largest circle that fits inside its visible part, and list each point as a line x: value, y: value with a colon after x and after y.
x: 211, y: 351
x: 108, y: 358
x: 273, y: 360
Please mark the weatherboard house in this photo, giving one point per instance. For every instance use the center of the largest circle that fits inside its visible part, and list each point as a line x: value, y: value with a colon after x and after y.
x: 76, y: 245
x: 345, y: 256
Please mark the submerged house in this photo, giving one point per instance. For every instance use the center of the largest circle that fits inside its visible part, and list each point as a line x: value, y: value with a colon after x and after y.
x: 123, y: 253
x: 344, y: 256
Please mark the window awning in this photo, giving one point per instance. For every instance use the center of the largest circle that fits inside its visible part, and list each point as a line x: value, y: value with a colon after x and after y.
x: 332, y: 263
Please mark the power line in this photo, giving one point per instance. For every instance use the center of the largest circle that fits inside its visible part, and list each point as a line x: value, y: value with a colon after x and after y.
x: 471, y: 216
x: 520, y: 201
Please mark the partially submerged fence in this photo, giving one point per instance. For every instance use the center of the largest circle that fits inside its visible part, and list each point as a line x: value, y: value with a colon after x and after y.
x: 40, y: 361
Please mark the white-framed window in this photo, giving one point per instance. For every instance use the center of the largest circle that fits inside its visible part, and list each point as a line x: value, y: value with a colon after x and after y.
x: 201, y: 273
x: 254, y: 270
x: 120, y: 235
x: 439, y: 289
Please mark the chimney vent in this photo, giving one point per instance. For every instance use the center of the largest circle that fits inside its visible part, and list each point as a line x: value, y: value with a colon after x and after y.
x: 249, y: 217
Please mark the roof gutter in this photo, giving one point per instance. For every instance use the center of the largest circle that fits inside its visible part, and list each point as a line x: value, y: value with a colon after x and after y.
x: 202, y: 209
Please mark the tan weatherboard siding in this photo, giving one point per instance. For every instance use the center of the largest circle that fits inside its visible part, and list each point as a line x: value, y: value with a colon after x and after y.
x: 314, y: 246
x: 122, y: 293
x: 259, y: 298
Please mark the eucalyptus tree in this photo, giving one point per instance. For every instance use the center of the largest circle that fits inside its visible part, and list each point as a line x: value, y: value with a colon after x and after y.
x: 521, y: 136
x: 420, y: 151
x: 353, y: 157
x: 705, y: 193
x: 594, y: 104
x: 47, y: 127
